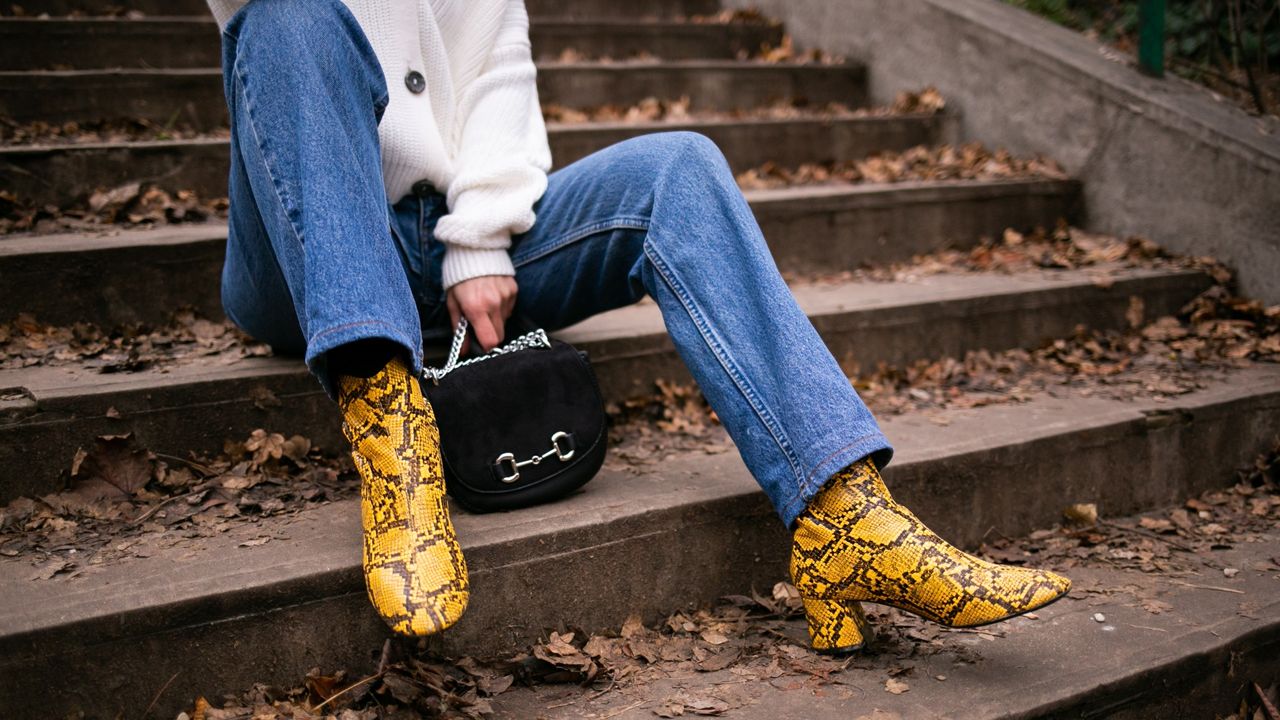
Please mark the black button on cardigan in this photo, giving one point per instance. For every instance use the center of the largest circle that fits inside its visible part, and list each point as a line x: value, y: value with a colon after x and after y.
x: 415, y: 82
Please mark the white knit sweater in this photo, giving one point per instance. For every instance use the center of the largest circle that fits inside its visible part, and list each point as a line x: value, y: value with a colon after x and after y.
x: 476, y: 132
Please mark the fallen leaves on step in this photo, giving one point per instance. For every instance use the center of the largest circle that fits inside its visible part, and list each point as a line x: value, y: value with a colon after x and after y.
x: 122, y: 499
x: 133, y: 204
x: 1081, y: 514
x: 573, y: 55
x: 1168, y: 356
x: 753, y: 637
x: 722, y: 656
x: 679, y: 110
x: 114, y: 469
x: 645, y: 429
x: 766, y: 648
x: 972, y: 161
x: 683, y: 704
x: 147, y: 204
x: 1175, y: 540
x: 786, y: 52
x: 742, y: 16
x: 108, y: 10
x: 928, y: 101
x: 139, y: 204
x: 118, y: 130
x: 26, y: 342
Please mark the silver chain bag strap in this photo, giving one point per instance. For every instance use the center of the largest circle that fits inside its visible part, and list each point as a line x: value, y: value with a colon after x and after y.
x: 532, y: 339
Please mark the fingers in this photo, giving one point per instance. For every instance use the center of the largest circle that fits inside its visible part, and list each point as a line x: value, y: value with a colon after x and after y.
x: 487, y: 333
x: 499, y: 322
x: 509, y: 302
x: 486, y: 302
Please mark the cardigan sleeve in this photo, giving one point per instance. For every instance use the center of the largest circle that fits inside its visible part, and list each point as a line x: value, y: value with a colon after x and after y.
x: 502, y: 158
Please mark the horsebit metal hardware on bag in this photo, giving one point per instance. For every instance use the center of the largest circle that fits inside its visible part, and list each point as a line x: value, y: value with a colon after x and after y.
x: 508, y: 460
x: 533, y: 339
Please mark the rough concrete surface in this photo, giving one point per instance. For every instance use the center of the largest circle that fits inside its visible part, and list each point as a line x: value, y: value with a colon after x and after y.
x: 1159, y: 158
x: 170, y: 42
x: 194, y: 95
x: 118, y: 276
x: 197, y: 404
x: 648, y: 540
x: 1194, y: 660
x: 64, y: 174
x: 546, y: 8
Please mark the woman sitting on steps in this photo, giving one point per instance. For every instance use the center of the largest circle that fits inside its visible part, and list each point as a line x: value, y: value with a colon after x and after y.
x: 389, y: 159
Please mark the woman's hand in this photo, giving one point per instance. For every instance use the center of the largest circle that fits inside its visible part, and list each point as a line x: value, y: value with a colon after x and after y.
x: 486, y: 302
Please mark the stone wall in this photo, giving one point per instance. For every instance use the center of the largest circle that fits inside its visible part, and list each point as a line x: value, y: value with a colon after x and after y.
x: 1160, y: 158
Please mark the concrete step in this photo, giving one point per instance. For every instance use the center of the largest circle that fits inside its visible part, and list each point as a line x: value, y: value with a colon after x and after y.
x: 62, y: 174
x: 194, y: 96
x: 209, y: 616
x: 142, y: 275
x: 556, y: 8
x: 1197, y: 658
x: 200, y: 402
x: 193, y: 42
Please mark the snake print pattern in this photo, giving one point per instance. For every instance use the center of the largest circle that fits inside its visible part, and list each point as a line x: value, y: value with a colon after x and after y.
x: 854, y: 542
x: 413, y: 567
x: 836, y: 627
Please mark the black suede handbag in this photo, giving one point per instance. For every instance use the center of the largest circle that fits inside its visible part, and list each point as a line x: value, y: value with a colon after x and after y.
x: 521, y: 425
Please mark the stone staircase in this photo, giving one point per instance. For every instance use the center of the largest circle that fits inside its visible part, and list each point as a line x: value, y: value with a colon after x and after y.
x: 222, y: 613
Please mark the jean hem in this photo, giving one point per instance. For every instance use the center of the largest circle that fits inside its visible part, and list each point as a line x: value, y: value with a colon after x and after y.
x: 330, y: 338
x: 871, y: 444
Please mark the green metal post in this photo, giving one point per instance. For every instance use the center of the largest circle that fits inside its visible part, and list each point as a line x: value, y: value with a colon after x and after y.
x: 1151, y: 37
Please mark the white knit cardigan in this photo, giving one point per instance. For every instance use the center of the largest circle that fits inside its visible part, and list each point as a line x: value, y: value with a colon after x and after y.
x: 476, y: 132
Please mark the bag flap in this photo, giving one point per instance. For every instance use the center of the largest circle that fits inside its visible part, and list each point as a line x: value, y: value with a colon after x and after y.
x: 512, y: 405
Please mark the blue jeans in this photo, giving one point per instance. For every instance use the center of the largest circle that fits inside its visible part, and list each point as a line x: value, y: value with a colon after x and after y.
x: 318, y: 257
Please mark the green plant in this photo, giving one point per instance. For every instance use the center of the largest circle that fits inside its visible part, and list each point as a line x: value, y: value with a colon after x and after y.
x: 1228, y: 42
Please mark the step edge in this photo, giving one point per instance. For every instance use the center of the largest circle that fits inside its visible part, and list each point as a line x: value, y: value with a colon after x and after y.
x: 643, y: 325
x: 543, y: 20
x: 1218, y: 639
x: 552, y: 128
x: 698, y: 64
x: 110, y: 239
x: 1117, y: 420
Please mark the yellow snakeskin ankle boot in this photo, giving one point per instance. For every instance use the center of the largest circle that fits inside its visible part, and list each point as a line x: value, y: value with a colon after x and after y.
x: 854, y: 542
x: 413, y: 566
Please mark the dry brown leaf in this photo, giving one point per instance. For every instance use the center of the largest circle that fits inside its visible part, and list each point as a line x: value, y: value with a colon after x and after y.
x: 896, y: 686
x: 714, y: 637
x: 116, y: 466
x: 1081, y: 514
x: 1136, y: 312
x: 562, y: 644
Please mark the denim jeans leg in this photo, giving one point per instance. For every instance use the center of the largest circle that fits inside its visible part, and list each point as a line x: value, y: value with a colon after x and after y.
x: 662, y: 214
x: 311, y: 262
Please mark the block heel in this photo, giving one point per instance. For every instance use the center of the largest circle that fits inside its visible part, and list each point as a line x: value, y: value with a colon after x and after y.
x: 836, y: 627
